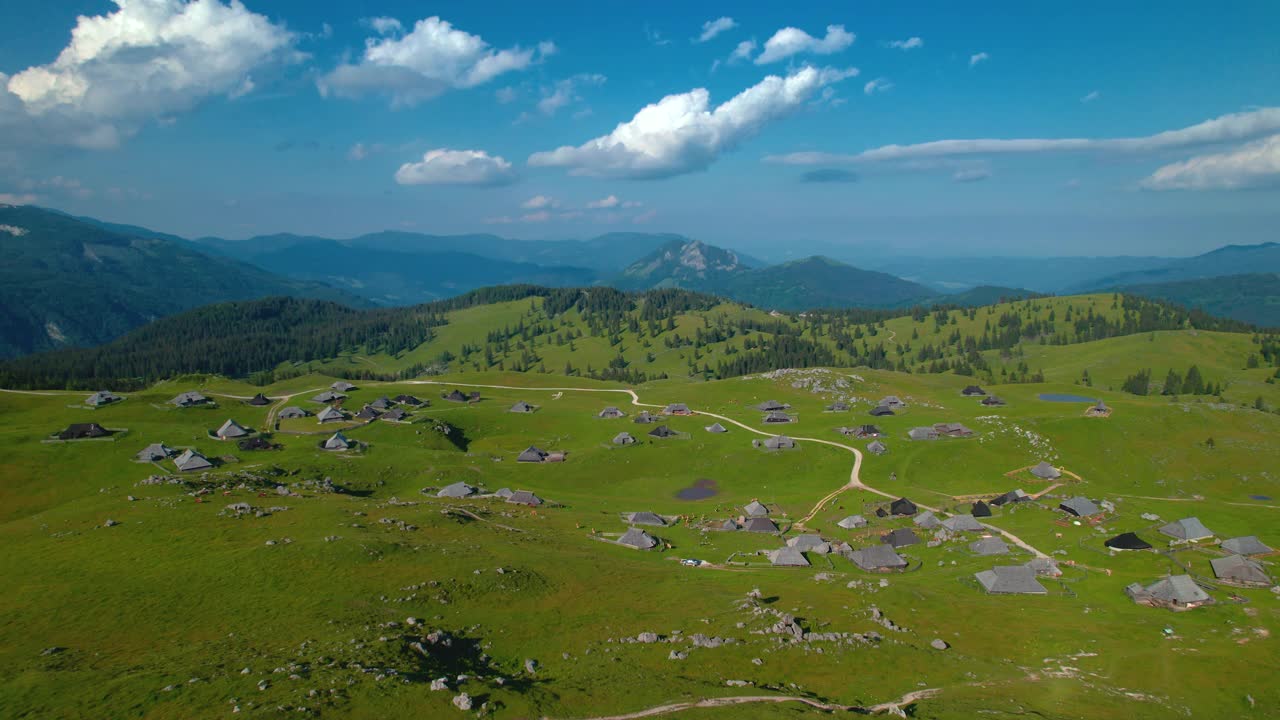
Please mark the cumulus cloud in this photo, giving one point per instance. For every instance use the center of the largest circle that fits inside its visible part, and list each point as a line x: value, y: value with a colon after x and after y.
x: 712, y: 28
x: 419, y: 65
x: 384, y: 25
x: 976, y: 58
x: 682, y: 133
x: 910, y: 43
x: 1234, y: 127
x: 146, y: 60
x: 565, y: 92
x: 1253, y: 165
x: 539, y: 202
x: 791, y: 41
x: 611, y: 201
x: 829, y: 175
x: 742, y: 51
x: 1090, y: 97
x: 456, y: 167
x: 878, y: 85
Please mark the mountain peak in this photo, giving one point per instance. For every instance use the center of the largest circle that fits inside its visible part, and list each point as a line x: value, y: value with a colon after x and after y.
x: 682, y: 263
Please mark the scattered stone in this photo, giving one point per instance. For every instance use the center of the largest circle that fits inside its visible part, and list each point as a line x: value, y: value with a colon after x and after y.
x: 530, y: 666
x: 757, y: 661
x: 676, y: 655
x: 462, y: 701
x: 647, y: 637
x: 411, y: 621
x: 271, y: 542
x: 263, y: 684
x: 939, y: 644
x: 245, y: 671
x: 737, y: 683
x: 439, y: 684
x: 110, y: 523
x: 52, y: 650
x: 132, y: 498
x: 884, y: 583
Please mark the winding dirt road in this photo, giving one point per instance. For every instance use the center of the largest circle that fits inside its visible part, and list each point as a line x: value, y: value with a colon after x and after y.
x: 892, y: 706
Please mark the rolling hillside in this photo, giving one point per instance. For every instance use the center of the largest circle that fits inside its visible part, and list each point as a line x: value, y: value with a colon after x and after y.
x: 1252, y: 298
x: 1227, y: 260
x: 65, y: 282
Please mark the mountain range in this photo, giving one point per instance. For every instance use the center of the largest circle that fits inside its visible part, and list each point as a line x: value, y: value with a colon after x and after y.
x: 79, y: 281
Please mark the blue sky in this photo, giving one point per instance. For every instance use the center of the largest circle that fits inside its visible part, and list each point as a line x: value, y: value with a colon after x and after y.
x: 214, y: 118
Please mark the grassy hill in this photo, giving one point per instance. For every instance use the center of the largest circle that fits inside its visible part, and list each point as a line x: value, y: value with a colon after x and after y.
x: 1227, y: 260
x: 306, y: 600
x: 65, y: 282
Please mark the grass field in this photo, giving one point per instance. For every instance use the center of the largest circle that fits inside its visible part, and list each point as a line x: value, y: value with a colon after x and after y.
x: 184, y: 608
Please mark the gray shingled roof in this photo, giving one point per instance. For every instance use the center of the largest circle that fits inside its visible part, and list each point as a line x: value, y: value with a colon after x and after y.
x: 810, y: 543
x: 900, y: 537
x: 768, y: 405
x: 646, y: 518
x: 327, y: 396
x: 232, y: 429
x: 877, y: 557
x: 637, y: 538
x: 1239, y: 569
x: 191, y: 460
x: 1010, y: 579
x: 521, y: 407
x: 190, y: 397
x: 102, y: 397
x: 524, y: 497
x: 756, y: 509
x: 338, y: 441
x: 777, y: 417
x: 922, y: 433
x: 292, y: 412
x: 532, y: 455
x: 877, y: 448
x: 989, y: 546
x: 381, y: 403
x: 1187, y: 529
x: 1247, y: 545
x: 154, y: 451
x: 716, y: 428
x: 779, y: 442
x: 1043, y: 566
x: 677, y: 409
x: 962, y: 523
x: 330, y: 414
x: 342, y: 386
x: 395, y: 414
x: 760, y: 525
x: 456, y: 490
x: 662, y: 431
x: 623, y: 438
x: 1178, y: 589
x: 788, y: 557
x: 1080, y: 506
x: 926, y: 520
x: 1045, y: 471
x: 610, y: 412
x: 853, y: 522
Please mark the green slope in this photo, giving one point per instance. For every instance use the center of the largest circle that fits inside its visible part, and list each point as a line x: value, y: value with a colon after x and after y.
x: 1252, y: 298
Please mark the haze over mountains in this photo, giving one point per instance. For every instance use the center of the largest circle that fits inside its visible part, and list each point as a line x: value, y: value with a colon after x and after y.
x: 80, y: 281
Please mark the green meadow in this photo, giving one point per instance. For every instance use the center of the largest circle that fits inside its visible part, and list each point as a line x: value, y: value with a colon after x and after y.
x: 181, y: 607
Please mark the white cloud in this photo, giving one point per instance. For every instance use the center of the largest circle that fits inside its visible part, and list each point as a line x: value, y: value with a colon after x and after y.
x: 359, y: 151
x: 384, y: 25
x: 1235, y: 127
x: 505, y: 95
x: 792, y: 41
x: 742, y: 51
x: 976, y: 58
x: 878, y: 85
x: 910, y: 43
x: 712, y: 28
x: 1256, y: 164
x: 456, y: 167
x: 18, y: 199
x: 1090, y: 97
x: 654, y: 36
x: 538, y: 202
x: 565, y: 92
x: 972, y: 175
x: 681, y: 133
x: 611, y: 201
x: 147, y: 59
x: 418, y: 66
x: 534, y: 217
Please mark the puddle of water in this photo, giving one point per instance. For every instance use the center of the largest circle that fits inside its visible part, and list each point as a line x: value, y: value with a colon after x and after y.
x: 1259, y: 497
x: 699, y: 490
x: 1060, y: 397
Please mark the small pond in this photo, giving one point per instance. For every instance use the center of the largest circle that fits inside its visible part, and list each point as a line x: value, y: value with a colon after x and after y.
x: 1259, y: 497
x: 699, y: 490
x: 1060, y: 397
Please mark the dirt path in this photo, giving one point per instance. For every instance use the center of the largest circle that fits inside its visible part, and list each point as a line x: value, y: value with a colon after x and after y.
x: 891, y: 706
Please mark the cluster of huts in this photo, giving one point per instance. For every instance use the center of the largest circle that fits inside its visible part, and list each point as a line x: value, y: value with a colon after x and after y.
x: 515, y: 497
x: 933, y: 432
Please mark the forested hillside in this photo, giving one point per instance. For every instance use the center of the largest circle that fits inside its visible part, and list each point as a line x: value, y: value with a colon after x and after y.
x: 64, y: 282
